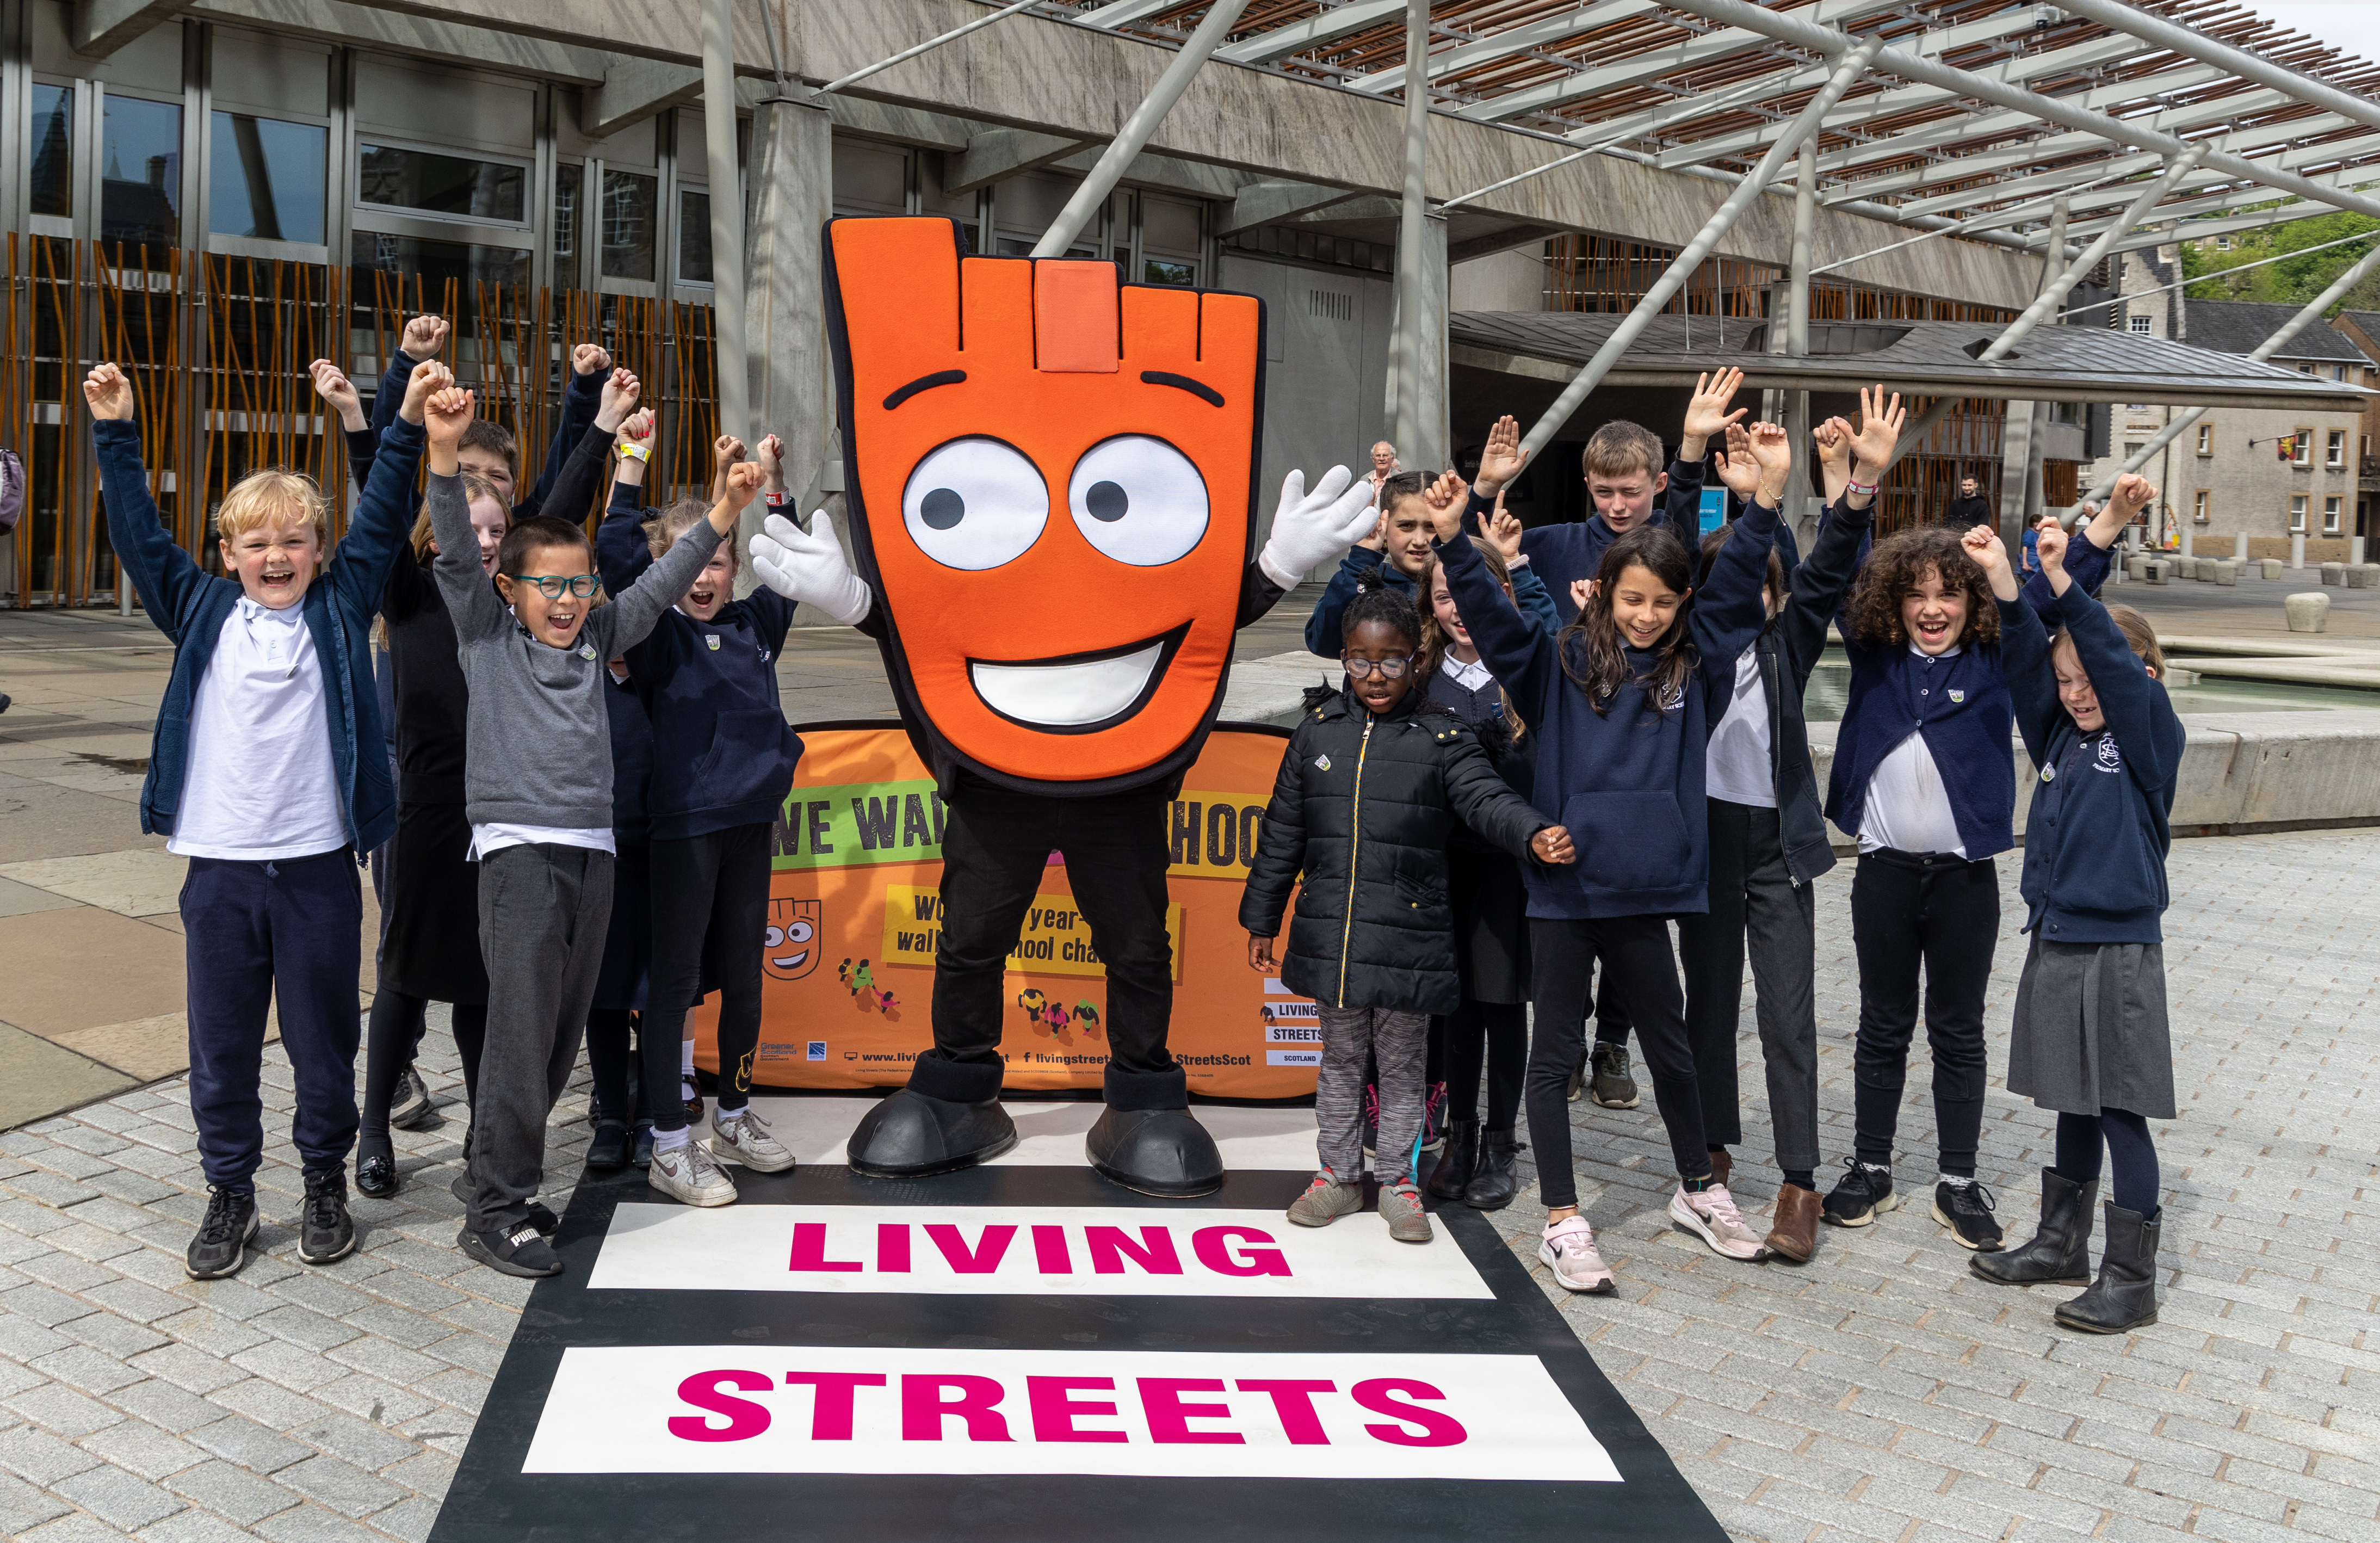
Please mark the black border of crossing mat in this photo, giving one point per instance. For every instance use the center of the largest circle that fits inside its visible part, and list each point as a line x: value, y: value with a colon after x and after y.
x: 492, y: 1501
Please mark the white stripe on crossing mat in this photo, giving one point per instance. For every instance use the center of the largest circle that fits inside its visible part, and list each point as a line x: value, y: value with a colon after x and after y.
x: 1034, y: 1250
x: 715, y: 1409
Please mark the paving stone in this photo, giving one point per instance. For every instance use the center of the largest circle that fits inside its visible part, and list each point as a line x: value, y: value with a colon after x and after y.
x: 117, y: 1498
x: 75, y: 1529
x: 63, y: 1412
x: 342, y: 1486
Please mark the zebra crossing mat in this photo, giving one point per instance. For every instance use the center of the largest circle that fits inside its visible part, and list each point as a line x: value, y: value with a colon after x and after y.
x: 1029, y: 1351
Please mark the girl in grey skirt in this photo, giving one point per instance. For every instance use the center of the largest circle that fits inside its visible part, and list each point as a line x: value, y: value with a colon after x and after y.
x: 2088, y: 1037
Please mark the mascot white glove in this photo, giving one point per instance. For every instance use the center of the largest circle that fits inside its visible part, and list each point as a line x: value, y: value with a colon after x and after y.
x: 807, y: 567
x: 1310, y: 528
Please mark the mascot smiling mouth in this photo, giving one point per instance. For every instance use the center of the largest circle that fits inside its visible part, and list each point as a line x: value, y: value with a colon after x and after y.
x: 1077, y: 693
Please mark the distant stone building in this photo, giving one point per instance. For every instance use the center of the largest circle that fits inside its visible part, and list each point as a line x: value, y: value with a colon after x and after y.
x: 2267, y: 474
x: 2363, y: 329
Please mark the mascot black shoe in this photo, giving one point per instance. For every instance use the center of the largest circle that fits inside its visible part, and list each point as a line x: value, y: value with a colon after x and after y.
x: 1147, y: 1140
x: 948, y: 1118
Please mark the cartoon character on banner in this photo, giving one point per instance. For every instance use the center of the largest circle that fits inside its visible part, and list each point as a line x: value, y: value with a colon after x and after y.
x: 1050, y: 476
x: 860, y: 981
x: 789, y: 948
x: 1052, y: 1020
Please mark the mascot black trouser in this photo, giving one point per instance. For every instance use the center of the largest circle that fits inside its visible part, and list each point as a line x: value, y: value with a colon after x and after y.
x: 996, y: 859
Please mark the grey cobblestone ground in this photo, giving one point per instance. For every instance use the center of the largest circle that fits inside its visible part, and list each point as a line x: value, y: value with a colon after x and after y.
x: 1880, y: 1392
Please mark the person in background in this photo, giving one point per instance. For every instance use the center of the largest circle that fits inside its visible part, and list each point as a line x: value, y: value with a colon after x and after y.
x: 1384, y: 466
x: 1970, y: 508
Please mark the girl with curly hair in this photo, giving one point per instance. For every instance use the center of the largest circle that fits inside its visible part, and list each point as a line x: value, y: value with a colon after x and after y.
x: 1620, y: 706
x: 1924, y: 777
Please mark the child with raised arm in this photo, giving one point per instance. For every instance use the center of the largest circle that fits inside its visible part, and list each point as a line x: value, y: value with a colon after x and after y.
x: 1768, y: 842
x: 1620, y: 706
x: 1375, y: 781
x: 538, y: 794
x: 270, y: 772
x: 2089, y: 1039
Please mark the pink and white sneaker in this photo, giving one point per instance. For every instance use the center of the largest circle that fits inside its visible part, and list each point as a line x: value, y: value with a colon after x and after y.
x: 1568, y: 1248
x: 1710, y: 1214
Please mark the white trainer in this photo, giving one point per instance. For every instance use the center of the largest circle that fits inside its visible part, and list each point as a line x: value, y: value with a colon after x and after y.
x: 1569, y: 1248
x: 691, y: 1176
x: 1710, y: 1214
x: 743, y: 1136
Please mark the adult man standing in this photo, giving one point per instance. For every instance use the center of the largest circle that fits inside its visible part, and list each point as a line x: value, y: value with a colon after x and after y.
x: 1970, y: 508
x: 1384, y: 466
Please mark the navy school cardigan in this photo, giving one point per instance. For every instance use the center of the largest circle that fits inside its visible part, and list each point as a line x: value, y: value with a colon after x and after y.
x: 191, y: 605
x: 1629, y: 784
x: 1959, y: 702
x: 723, y: 753
x: 2096, y: 839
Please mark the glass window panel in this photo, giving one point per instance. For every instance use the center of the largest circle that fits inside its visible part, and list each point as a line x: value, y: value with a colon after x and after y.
x: 267, y: 177
x: 52, y: 142
x: 437, y: 183
x: 140, y: 170
x: 693, y: 237
x: 568, y: 179
x: 434, y: 262
x: 1155, y: 270
x: 631, y: 202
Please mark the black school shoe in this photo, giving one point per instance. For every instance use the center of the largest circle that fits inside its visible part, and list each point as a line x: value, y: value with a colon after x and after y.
x: 540, y: 1216
x: 642, y: 1156
x: 611, y: 1146
x: 326, y: 1231
x: 520, y: 1251
x: 220, y: 1246
x: 1862, y: 1194
x: 1966, y: 1210
x: 376, y: 1176
x: 411, y: 1105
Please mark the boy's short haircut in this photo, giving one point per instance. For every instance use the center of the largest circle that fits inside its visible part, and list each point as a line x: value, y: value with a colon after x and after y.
x: 664, y: 527
x: 1619, y: 447
x: 481, y: 434
x: 475, y: 488
x: 272, y: 495
x: 535, y: 535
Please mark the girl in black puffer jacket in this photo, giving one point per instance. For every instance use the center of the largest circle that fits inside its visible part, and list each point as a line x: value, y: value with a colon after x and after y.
x: 1375, y: 781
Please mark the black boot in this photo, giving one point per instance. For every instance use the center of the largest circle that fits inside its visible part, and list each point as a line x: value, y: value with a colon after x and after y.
x: 2060, y: 1252
x: 2124, y: 1296
x: 948, y: 1118
x: 1492, y: 1185
x: 1447, y: 1180
x: 1147, y: 1140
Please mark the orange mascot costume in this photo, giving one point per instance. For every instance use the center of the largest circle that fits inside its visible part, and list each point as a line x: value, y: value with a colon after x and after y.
x: 1049, y: 476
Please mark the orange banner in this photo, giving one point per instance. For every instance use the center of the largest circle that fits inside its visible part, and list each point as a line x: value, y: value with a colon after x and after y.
x: 854, y: 910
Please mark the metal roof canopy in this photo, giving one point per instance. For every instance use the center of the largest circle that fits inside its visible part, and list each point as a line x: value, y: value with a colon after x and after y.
x: 1916, y: 358
x: 1976, y: 110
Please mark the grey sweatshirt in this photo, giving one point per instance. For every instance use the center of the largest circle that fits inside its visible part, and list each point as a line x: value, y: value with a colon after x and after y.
x: 540, y: 736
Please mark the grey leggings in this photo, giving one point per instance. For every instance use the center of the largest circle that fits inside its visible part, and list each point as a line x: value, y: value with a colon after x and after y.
x: 1398, y: 1042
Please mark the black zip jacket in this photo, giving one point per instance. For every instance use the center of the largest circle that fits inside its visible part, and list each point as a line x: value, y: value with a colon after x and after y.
x: 1363, y: 806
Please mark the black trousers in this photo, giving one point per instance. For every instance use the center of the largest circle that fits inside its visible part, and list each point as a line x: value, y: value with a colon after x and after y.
x: 1637, y: 959
x: 995, y: 854
x: 614, y: 1044
x: 258, y: 933
x: 1939, y: 914
x: 708, y: 889
x: 1497, y: 1033
x: 1754, y: 899
x: 390, y: 1038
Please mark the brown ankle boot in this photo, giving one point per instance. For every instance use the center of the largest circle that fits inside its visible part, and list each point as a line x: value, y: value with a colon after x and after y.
x: 1794, y: 1229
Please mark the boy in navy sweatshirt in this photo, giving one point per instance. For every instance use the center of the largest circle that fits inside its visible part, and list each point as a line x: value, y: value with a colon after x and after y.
x: 722, y: 761
x: 269, y: 772
x: 2090, y: 1038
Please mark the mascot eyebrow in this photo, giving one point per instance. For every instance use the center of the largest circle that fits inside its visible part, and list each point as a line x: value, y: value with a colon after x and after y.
x: 924, y: 382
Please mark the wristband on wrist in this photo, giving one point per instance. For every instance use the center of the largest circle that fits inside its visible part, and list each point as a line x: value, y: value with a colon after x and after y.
x: 1867, y: 488
x: 637, y: 452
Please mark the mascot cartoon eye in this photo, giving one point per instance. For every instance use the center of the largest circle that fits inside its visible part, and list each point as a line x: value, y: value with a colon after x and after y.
x: 975, y: 504
x: 1139, y: 500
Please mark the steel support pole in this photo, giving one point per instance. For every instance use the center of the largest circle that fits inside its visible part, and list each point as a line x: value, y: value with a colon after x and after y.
x: 730, y: 362
x: 1093, y: 194
x: 1797, y: 332
x: 2307, y: 317
x: 2021, y: 422
x: 2191, y: 43
x: 1791, y: 28
x: 1772, y: 164
x: 1412, y: 286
